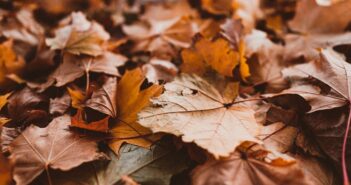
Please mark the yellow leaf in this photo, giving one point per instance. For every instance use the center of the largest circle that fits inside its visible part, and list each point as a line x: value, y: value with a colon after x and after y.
x: 9, y: 62
x: 77, y: 97
x: 244, y: 67
x: 130, y: 100
x: 216, y: 54
x: 3, y: 100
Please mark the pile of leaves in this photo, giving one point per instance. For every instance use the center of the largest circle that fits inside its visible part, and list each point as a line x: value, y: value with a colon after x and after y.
x: 158, y: 92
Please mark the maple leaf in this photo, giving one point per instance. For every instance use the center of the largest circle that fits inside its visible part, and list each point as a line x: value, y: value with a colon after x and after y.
x: 267, y: 69
x: 123, y: 101
x: 153, y: 166
x: 315, y: 34
x: 74, y: 67
x: 9, y: 61
x: 216, y: 54
x: 22, y: 26
x: 195, y: 110
x: 332, y: 70
x: 250, y: 167
x: 37, y: 150
x: 26, y: 107
x: 80, y: 37
x: 158, y: 33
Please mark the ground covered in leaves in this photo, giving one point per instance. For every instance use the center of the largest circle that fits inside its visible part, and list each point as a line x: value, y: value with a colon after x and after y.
x: 151, y: 92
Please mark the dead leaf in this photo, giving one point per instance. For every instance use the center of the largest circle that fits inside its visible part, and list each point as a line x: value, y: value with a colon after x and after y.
x: 123, y: 101
x: 77, y: 96
x: 154, y: 166
x: 59, y: 105
x: 55, y: 147
x: 26, y: 107
x: 74, y: 67
x: 195, y: 110
x: 80, y: 36
x: 10, y: 63
x: 249, y: 169
x: 216, y: 54
x: 78, y: 121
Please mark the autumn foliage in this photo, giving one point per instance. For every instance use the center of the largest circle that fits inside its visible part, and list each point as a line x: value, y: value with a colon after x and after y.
x: 175, y: 92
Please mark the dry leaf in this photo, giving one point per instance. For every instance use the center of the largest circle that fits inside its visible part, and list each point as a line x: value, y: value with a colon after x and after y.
x: 195, y: 110
x: 124, y: 106
x: 80, y: 36
x: 9, y: 61
x: 55, y: 147
x: 248, y: 169
x: 216, y: 54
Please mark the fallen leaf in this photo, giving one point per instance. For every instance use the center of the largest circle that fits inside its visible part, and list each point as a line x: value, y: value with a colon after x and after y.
x: 78, y: 121
x: 10, y: 63
x: 195, y: 110
x: 123, y: 101
x: 74, y: 67
x: 314, y: 33
x: 60, y: 105
x: 77, y: 97
x: 80, y: 36
x: 55, y: 147
x: 245, y: 168
x: 159, y: 70
x: 153, y: 166
x: 215, y: 54
x: 26, y: 107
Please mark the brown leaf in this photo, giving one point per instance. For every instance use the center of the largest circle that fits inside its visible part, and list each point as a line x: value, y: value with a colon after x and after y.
x: 159, y: 70
x: 26, y: 107
x: 195, y: 110
x: 78, y: 121
x: 59, y: 105
x: 80, y: 36
x: 123, y: 101
x: 55, y: 147
x: 249, y: 169
x: 74, y: 67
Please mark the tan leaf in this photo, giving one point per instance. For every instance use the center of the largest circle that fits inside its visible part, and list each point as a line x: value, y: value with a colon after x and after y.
x: 38, y: 149
x: 80, y: 37
x: 74, y: 67
x: 250, y: 168
x: 195, y: 110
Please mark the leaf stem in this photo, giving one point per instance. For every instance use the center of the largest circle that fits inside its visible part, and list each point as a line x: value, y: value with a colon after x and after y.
x: 343, y: 157
x: 48, y: 174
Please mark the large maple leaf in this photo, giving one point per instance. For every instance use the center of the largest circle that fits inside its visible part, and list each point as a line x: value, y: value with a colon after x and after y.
x: 192, y: 108
x: 37, y: 150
